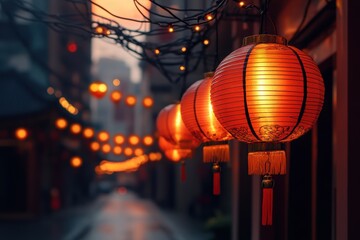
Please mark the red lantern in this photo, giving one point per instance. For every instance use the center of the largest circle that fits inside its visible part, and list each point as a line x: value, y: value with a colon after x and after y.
x: 115, y: 96
x: 171, y: 126
x: 98, y: 89
x: 199, y: 118
x: 267, y: 92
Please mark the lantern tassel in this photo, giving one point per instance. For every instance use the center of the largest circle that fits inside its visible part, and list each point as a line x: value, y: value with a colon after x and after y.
x: 183, y: 172
x: 216, y: 179
x: 267, y: 200
x: 216, y: 153
x: 267, y: 162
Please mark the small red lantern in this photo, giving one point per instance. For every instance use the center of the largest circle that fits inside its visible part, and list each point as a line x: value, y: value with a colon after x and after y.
x: 171, y: 126
x: 98, y: 89
x: 115, y: 96
x: 199, y: 118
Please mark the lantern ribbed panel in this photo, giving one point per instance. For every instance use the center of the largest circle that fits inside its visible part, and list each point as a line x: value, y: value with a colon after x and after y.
x: 267, y: 92
x: 171, y: 126
x: 198, y: 115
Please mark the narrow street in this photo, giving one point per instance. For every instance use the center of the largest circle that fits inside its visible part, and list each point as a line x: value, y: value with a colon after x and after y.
x: 117, y: 216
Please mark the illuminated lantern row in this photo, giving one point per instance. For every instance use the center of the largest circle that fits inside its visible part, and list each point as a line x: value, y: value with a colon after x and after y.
x: 267, y: 92
x: 199, y: 118
x: 104, y: 136
x: 171, y: 127
x: 99, y: 89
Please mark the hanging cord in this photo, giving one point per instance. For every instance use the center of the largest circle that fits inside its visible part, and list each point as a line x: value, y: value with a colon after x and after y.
x: 306, y: 10
x: 184, y: 85
x: 216, y: 60
x: 263, y: 14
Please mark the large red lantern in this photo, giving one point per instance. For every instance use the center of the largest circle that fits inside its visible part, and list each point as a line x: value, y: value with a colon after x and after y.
x: 199, y: 118
x: 171, y: 126
x: 267, y: 92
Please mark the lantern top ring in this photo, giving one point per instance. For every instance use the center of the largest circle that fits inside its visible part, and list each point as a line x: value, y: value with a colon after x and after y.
x: 208, y: 74
x: 264, y: 38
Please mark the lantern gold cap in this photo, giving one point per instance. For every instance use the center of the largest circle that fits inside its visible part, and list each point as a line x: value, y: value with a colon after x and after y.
x: 208, y: 74
x: 264, y: 38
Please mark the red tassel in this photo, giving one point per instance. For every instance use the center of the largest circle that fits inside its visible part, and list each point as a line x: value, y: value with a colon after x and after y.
x: 267, y: 206
x: 183, y: 172
x: 267, y: 200
x: 216, y: 183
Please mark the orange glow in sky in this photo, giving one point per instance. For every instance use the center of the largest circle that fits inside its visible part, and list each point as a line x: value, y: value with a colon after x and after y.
x: 107, y: 49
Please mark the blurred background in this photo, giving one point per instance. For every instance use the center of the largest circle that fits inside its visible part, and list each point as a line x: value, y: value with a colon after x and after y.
x: 51, y: 186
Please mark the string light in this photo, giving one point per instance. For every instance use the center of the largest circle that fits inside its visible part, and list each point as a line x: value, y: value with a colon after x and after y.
x: 106, y: 148
x: 148, y: 102
x: 116, y: 82
x: 117, y: 150
x: 75, y: 128
x: 197, y: 28
x: 206, y: 42
x: 183, y: 49
x: 209, y: 17
x: 157, y: 51
x: 182, y: 68
x: 21, y: 133
x: 170, y: 29
x: 119, y: 139
x: 88, y: 132
x: 61, y: 123
x: 242, y: 4
x: 95, y: 146
x: 76, y: 162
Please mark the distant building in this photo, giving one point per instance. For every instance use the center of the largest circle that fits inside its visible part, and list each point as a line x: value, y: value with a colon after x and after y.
x: 38, y: 67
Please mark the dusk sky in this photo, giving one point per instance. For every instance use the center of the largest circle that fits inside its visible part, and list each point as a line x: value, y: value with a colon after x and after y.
x: 105, y: 48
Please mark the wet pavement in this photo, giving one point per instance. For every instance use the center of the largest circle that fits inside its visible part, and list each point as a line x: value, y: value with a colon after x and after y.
x: 117, y: 216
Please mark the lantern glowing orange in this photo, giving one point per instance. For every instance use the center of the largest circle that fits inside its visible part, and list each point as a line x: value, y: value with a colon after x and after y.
x: 95, y: 146
x: 130, y: 101
x: 138, y: 152
x: 117, y: 150
x: 128, y: 151
x: 119, y: 139
x: 103, y: 136
x: 116, y: 82
x: 267, y: 92
x: 198, y: 116
x: 75, y: 128
x: 148, y: 140
x: 106, y: 148
x: 98, y: 89
x: 21, y: 133
x: 171, y: 126
x: 115, y: 96
x: 88, y: 132
x: 134, y: 140
x: 76, y: 162
x: 274, y: 92
x: 61, y: 123
x: 148, y: 102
